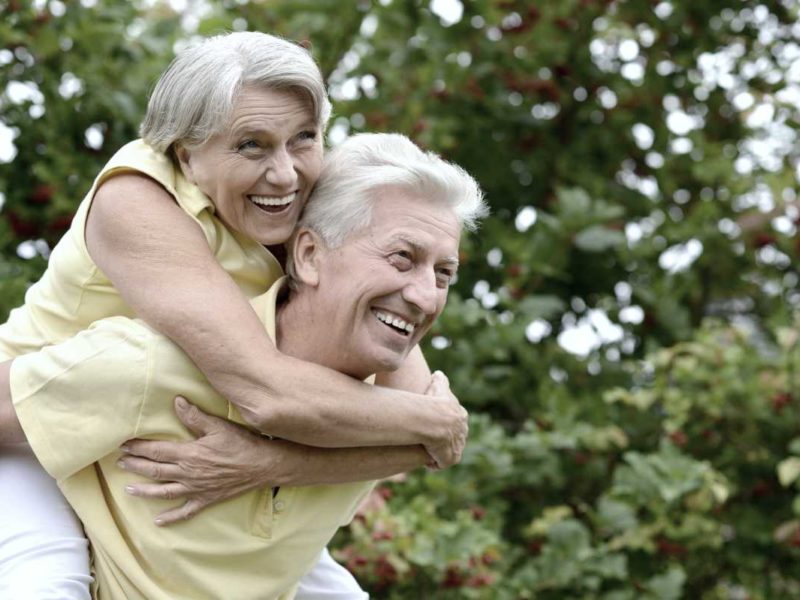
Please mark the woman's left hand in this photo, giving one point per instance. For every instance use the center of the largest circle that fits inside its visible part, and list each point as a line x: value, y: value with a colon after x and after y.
x: 224, y: 461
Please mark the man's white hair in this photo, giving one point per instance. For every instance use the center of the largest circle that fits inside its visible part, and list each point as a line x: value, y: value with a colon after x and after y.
x: 356, y: 171
x: 194, y: 97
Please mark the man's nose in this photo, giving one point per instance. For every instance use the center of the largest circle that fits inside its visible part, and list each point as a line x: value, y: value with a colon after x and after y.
x: 423, y: 293
x: 281, y: 172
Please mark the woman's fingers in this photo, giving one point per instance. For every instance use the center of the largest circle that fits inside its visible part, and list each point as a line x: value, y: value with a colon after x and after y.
x: 161, y: 491
x: 165, y: 452
x: 159, y: 471
x: 439, y: 385
x: 195, y: 420
x: 189, y: 509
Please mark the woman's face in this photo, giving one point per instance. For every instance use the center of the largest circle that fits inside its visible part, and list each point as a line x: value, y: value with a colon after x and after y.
x: 260, y: 171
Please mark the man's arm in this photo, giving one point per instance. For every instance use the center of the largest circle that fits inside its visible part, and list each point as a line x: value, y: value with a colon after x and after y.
x: 79, y: 400
x: 160, y: 262
x: 10, y: 430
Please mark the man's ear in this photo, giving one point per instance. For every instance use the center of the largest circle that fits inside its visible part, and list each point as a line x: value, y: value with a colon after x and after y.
x: 184, y: 156
x: 307, y: 253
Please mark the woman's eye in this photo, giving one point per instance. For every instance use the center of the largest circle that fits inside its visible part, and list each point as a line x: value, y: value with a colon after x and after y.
x: 306, y: 137
x: 248, y: 145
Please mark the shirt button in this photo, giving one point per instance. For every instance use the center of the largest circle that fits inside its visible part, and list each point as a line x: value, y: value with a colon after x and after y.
x: 279, y: 505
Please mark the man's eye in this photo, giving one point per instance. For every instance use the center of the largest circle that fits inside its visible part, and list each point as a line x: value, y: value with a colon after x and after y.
x: 402, y: 259
x: 444, y: 276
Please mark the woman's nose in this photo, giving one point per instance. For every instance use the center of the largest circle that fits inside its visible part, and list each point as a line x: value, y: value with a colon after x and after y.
x: 281, y: 172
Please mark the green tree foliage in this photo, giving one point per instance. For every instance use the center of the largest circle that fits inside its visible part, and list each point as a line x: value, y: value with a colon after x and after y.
x: 622, y: 327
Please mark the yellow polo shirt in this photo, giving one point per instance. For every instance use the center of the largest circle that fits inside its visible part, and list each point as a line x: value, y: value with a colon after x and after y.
x: 73, y: 293
x: 79, y: 400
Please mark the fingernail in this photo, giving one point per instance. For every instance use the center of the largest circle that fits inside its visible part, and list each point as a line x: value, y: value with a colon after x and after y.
x: 121, y: 464
x: 181, y: 401
x: 159, y: 522
x: 125, y: 448
x: 130, y: 489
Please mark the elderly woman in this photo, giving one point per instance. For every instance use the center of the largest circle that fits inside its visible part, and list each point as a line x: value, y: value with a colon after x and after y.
x: 173, y: 231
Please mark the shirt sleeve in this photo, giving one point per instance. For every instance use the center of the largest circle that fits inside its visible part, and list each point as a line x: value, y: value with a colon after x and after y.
x: 79, y: 400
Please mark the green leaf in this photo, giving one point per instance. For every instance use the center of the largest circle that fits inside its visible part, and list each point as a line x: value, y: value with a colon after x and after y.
x: 615, y: 516
x: 789, y: 470
x: 597, y: 238
x: 668, y: 586
x: 542, y: 306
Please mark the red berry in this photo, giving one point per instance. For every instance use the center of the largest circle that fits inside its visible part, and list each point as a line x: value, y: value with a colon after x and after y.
x: 535, y: 547
x: 22, y: 227
x: 41, y: 194
x: 514, y: 270
x: 780, y: 401
x: 385, y: 571
x: 478, y: 513
x: 453, y: 578
x: 794, y: 539
x: 480, y: 580
x: 678, y: 438
x: 580, y: 458
x: 377, y: 536
x: 763, y: 239
x: 669, y: 548
x: 61, y: 224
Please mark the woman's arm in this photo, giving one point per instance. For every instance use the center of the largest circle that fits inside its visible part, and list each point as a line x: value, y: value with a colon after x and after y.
x: 160, y: 262
x: 227, y: 460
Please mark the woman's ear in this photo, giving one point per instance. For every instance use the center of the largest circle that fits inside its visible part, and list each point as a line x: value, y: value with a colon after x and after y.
x: 185, y: 161
x: 307, y: 253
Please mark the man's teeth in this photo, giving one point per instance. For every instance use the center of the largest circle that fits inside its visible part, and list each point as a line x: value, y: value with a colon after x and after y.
x: 273, y: 200
x: 395, y: 321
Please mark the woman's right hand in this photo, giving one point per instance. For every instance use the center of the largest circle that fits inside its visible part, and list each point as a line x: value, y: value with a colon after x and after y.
x: 447, y: 449
x: 224, y: 461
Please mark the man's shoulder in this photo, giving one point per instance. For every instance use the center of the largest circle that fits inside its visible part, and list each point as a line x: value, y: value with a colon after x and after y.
x: 119, y: 332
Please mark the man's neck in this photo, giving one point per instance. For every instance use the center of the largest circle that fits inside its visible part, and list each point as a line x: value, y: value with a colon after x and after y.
x: 301, y: 333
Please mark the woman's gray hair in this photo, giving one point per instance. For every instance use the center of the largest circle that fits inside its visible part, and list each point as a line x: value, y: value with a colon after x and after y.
x: 356, y: 172
x: 194, y: 97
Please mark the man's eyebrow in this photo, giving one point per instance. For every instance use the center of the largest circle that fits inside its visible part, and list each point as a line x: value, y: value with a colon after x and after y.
x: 419, y: 248
x: 451, y: 260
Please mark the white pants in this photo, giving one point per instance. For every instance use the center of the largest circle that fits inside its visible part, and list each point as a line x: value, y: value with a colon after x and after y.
x: 44, y: 554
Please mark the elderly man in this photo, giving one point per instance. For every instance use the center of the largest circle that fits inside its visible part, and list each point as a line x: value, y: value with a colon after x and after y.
x: 369, y: 269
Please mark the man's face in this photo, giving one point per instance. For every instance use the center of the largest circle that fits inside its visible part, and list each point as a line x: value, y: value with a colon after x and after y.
x: 383, y: 288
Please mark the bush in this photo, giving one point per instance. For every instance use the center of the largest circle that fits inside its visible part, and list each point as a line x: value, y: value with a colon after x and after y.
x: 622, y: 328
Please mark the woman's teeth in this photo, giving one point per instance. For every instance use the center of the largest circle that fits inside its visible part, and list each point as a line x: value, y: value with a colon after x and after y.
x: 273, y: 200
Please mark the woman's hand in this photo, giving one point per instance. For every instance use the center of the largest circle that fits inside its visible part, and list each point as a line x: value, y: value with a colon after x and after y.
x: 224, y: 461
x: 448, y: 452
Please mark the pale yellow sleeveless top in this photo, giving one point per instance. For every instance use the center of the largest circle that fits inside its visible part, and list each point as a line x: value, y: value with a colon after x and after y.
x: 73, y: 292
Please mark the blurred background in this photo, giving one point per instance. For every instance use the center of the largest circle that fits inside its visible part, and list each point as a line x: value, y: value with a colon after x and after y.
x: 623, y: 327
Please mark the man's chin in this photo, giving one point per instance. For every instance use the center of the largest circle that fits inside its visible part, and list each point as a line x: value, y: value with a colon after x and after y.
x: 387, y: 363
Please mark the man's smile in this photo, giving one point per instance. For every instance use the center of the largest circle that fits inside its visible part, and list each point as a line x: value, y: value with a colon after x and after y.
x: 394, y: 321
